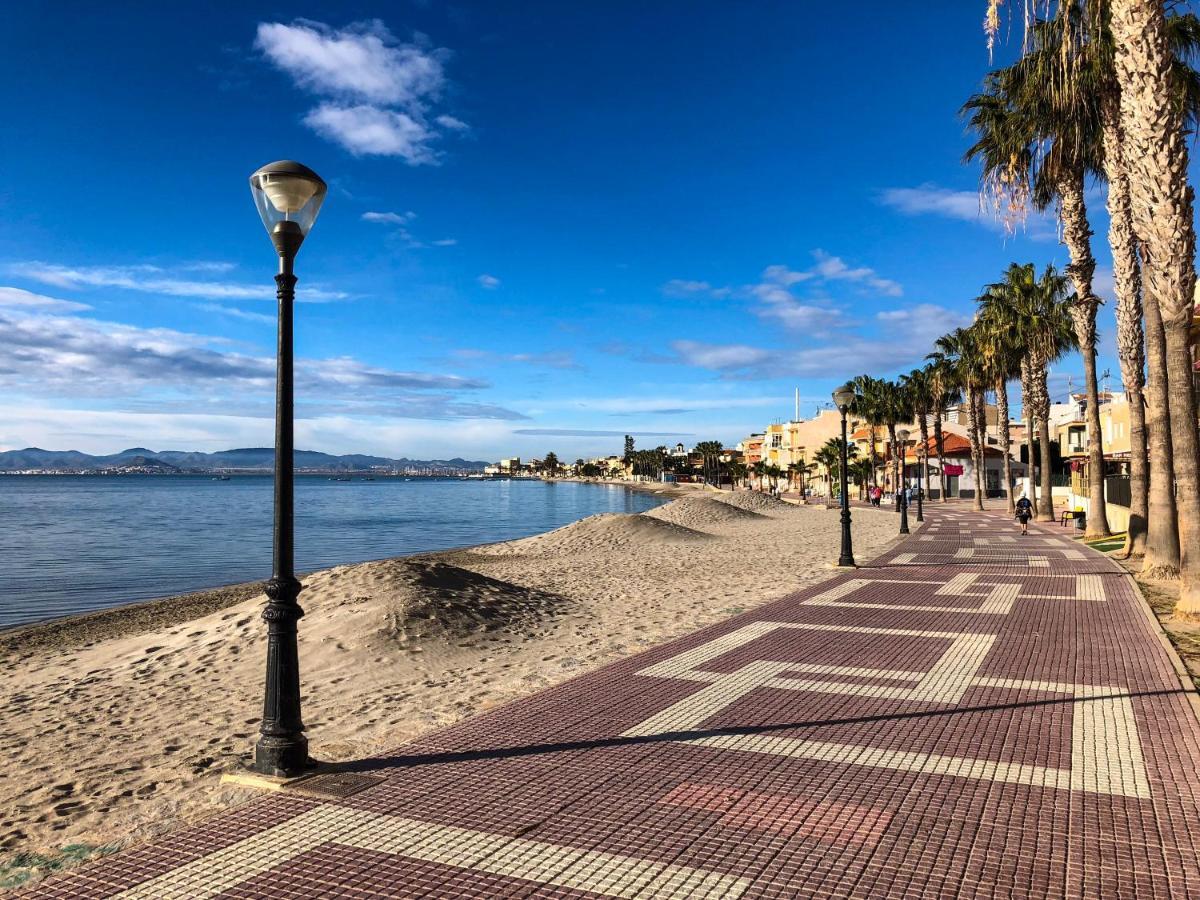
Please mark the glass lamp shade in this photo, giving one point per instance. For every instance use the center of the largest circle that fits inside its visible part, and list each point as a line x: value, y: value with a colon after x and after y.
x: 843, y: 397
x: 286, y: 191
x: 902, y: 435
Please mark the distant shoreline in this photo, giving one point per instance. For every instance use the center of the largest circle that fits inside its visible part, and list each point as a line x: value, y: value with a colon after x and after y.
x: 141, y: 616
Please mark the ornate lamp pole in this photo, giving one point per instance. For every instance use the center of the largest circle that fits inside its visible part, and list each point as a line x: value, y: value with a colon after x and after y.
x: 921, y: 462
x: 843, y: 397
x: 902, y: 488
x: 288, y: 196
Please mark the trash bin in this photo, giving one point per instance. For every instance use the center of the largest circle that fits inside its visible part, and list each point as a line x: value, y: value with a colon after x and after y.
x: 1080, y: 521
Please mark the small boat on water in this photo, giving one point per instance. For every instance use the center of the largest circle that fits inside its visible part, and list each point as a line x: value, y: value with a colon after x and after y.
x: 220, y: 478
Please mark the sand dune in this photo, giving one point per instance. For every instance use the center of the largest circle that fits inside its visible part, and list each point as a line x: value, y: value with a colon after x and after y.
x: 606, y: 531
x: 119, y: 736
x: 699, y: 512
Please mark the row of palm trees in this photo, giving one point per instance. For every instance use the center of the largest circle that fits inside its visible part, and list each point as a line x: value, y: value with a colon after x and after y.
x: 1104, y: 90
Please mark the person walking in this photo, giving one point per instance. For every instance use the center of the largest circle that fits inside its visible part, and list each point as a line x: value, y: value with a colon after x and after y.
x: 1024, y: 513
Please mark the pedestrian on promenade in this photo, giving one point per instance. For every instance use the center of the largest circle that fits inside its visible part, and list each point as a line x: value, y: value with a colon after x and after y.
x: 1024, y: 513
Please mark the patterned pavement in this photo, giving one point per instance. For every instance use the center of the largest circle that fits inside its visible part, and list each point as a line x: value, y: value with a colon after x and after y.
x: 972, y: 714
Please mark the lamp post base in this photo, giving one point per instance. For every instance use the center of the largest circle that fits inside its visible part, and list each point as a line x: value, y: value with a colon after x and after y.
x: 281, y: 757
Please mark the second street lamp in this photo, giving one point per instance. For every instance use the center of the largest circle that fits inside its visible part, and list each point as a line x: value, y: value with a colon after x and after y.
x: 921, y: 463
x: 843, y: 397
x: 902, y: 487
x: 288, y: 196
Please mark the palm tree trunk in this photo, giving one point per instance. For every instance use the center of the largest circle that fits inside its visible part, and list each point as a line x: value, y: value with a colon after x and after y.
x: 1005, y: 437
x: 981, y: 425
x: 1041, y: 406
x: 1027, y: 410
x: 973, y: 437
x: 874, y: 479
x: 892, y: 446
x: 1077, y: 236
x: 1157, y: 161
x: 923, y: 460
x: 940, y: 448
x: 1161, y: 559
x: 1127, y: 284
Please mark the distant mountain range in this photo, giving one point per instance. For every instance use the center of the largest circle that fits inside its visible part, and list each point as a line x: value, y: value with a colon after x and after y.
x: 244, y: 458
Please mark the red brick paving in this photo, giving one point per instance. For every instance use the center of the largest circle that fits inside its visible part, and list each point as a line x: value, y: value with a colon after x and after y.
x: 905, y: 737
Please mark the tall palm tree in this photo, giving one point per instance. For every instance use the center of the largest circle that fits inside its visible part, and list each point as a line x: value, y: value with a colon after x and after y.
x: 918, y: 385
x: 830, y: 456
x: 894, y: 409
x: 945, y: 392
x: 1003, y: 352
x: 1038, y: 142
x: 1157, y: 159
x: 959, y: 353
x: 1040, y: 313
x: 1144, y: 116
x: 759, y: 470
x: 869, y: 405
x: 859, y: 471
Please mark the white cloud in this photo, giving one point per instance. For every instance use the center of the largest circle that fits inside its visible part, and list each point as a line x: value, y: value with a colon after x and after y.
x: 553, y: 359
x: 679, y: 287
x: 775, y: 297
x: 370, y: 131
x: 12, y: 297
x: 489, y: 282
x: 389, y: 218
x: 377, y: 91
x: 677, y: 402
x: 70, y: 356
x: 929, y: 199
x: 362, y: 61
x: 445, y: 242
x: 834, y: 268
x: 235, y: 313
x: 721, y: 357
x: 963, y: 206
x: 893, y: 340
x: 152, y: 280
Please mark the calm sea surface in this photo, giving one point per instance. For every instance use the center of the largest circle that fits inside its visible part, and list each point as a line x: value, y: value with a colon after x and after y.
x: 70, y: 544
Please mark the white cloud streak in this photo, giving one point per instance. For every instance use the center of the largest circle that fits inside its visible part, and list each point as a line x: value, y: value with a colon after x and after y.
x: 153, y: 280
x: 376, y: 90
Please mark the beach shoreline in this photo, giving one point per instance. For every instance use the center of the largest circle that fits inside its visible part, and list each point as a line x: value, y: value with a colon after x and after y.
x: 138, y: 616
x: 122, y: 720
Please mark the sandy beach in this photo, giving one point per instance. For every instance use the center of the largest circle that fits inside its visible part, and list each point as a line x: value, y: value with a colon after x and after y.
x: 117, y: 726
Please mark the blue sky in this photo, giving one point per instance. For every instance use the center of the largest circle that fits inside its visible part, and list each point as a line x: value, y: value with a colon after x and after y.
x: 548, y: 224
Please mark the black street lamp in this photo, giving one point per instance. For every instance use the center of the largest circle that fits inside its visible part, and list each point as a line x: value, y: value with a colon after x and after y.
x: 921, y: 463
x: 288, y: 196
x: 843, y: 397
x: 902, y: 487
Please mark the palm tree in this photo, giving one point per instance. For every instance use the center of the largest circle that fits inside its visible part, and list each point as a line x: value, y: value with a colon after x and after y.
x: 830, y: 456
x: 895, y: 409
x: 773, y: 472
x: 859, y: 472
x: 919, y: 388
x: 710, y: 452
x: 738, y: 472
x: 959, y: 353
x: 1003, y: 352
x: 869, y: 405
x: 1039, y: 313
x: 760, y: 470
x: 944, y: 392
x: 1038, y: 141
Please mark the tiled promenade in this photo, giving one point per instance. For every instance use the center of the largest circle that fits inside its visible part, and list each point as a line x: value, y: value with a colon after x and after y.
x: 973, y: 714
